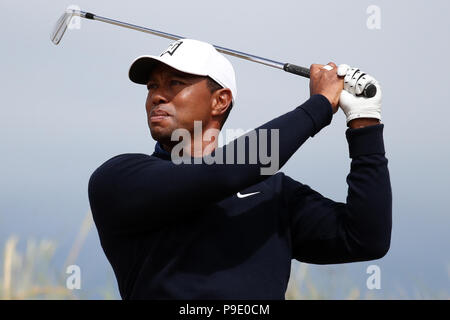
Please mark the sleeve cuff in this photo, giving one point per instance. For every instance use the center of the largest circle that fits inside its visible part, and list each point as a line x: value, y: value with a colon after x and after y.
x: 365, y: 141
x: 319, y: 110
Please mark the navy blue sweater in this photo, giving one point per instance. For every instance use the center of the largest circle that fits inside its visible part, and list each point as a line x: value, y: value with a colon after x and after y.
x: 181, y: 232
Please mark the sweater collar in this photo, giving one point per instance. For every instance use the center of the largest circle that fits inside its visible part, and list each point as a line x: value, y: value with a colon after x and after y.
x: 160, y: 152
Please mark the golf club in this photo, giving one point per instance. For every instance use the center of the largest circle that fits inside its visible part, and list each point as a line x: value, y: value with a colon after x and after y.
x: 61, y: 25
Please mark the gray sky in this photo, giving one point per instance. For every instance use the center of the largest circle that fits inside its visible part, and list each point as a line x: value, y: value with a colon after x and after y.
x: 66, y: 109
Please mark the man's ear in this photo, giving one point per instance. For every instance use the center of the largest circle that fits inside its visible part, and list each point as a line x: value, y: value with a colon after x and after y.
x: 221, y: 101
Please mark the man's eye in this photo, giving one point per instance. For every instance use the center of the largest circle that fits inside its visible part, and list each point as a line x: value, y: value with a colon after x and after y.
x: 176, y: 82
x: 151, y: 86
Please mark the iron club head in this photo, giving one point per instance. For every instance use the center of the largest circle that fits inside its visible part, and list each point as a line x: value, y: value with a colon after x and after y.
x: 61, y: 25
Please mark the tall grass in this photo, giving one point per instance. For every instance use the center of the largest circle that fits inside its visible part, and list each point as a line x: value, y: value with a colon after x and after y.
x: 31, y: 274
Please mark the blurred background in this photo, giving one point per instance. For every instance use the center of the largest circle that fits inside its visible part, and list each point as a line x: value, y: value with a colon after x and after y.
x: 66, y: 109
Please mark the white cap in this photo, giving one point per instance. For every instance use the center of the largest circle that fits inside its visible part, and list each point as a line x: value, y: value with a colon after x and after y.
x: 189, y: 56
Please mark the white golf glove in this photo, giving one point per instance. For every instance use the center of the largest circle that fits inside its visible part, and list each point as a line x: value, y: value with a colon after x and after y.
x: 358, y: 106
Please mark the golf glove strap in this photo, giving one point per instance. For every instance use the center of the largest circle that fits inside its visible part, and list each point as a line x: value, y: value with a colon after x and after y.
x: 353, y: 105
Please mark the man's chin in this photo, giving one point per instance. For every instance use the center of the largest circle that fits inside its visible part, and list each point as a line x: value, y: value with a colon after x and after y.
x: 162, y: 135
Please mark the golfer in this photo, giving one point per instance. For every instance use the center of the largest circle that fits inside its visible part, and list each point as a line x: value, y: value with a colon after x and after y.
x: 225, y: 229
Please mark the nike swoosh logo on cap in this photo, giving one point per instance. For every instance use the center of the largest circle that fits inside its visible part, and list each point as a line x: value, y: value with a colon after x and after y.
x: 240, y: 195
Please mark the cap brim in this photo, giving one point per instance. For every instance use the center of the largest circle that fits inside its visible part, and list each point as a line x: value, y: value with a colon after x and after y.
x: 141, y: 67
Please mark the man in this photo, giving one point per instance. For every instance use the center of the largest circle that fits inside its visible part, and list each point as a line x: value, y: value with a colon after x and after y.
x: 224, y: 230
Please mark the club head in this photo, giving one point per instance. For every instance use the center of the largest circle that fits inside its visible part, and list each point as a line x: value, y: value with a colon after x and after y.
x: 61, y: 26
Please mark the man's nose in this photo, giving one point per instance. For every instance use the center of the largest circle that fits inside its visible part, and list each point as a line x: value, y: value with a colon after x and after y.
x: 159, y: 95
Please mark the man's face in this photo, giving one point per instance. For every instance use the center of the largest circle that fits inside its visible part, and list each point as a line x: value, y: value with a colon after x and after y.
x: 175, y: 100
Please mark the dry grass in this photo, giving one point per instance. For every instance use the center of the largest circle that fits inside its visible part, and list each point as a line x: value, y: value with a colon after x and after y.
x: 30, y: 275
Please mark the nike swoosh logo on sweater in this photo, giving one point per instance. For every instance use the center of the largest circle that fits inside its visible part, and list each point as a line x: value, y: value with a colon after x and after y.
x: 240, y: 195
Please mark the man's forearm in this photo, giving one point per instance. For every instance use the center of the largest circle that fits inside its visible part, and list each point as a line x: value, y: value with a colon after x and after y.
x: 369, y: 199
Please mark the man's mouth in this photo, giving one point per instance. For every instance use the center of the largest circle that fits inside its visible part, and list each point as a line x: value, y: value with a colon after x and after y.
x: 158, y: 115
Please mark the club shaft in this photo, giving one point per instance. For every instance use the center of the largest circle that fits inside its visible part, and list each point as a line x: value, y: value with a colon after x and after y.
x: 369, y: 90
x: 231, y: 52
